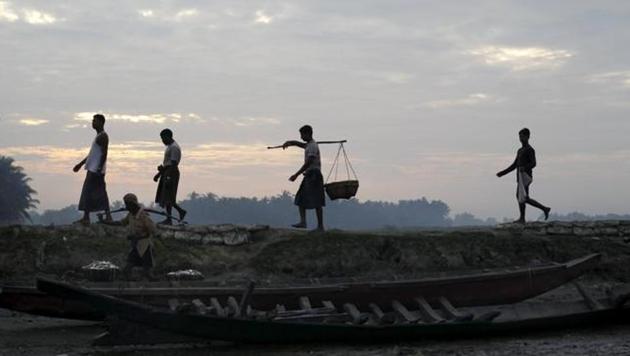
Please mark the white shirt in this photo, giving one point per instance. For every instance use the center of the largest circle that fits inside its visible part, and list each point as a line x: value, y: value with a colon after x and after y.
x: 312, y: 150
x: 172, y: 153
x: 93, y: 160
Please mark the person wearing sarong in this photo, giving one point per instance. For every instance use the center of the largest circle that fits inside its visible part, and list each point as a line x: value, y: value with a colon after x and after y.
x: 168, y: 177
x: 310, y: 195
x: 94, y: 193
x: 524, y: 165
x: 140, y: 235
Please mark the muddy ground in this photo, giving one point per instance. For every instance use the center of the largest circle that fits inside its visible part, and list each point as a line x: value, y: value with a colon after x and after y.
x: 282, y: 255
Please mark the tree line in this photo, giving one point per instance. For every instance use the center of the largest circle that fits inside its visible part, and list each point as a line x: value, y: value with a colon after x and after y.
x: 17, y: 204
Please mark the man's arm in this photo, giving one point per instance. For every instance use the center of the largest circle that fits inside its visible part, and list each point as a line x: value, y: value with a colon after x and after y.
x: 103, y: 141
x: 508, y: 169
x: 302, y: 169
x: 79, y: 165
x: 294, y: 143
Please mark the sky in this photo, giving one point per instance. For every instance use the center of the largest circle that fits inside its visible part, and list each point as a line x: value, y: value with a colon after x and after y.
x: 429, y: 94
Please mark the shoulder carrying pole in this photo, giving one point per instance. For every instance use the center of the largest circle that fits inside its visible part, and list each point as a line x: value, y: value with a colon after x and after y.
x: 318, y: 142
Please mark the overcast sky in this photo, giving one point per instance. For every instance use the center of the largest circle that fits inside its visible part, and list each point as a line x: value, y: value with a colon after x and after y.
x: 430, y: 95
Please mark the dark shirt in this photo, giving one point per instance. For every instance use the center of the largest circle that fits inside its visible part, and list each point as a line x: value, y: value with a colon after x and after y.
x: 525, y: 160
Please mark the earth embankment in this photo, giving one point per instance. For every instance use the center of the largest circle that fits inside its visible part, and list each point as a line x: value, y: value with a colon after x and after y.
x: 225, y: 252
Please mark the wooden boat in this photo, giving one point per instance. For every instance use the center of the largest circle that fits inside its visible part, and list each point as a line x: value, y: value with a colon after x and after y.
x: 348, y: 324
x: 507, y: 286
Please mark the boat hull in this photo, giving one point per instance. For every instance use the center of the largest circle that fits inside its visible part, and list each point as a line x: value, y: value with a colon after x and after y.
x: 467, y: 290
x: 515, y: 319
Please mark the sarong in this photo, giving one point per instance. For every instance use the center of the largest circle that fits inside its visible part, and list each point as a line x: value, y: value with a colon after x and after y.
x: 94, y: 193
x: 522, y: 191
x: 167, y: 187
x: 311, y: 192
x: 136, y: 258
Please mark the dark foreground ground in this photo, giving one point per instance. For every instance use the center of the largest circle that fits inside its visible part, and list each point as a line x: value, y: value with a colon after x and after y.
x: 27, y: 335
x: 281, y: 255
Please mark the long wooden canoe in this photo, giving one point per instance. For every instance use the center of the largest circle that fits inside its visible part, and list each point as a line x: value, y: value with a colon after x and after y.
x: 421, y: 324
x: 483, y: 288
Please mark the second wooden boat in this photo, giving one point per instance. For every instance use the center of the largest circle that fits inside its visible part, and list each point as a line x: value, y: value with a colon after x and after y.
x: 238, y: 322
x: 506, y: 286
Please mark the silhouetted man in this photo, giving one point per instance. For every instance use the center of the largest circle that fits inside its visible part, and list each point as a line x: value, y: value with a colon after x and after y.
x: 311, y: 192
x: 94, y: 193
x: 524, y: 164
x: 168, y: 176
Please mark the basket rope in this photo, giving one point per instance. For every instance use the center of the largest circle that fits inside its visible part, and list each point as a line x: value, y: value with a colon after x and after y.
x: 335, y: 165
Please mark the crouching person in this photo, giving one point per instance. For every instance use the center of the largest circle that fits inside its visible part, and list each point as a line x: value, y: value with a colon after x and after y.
x: 140, y: 235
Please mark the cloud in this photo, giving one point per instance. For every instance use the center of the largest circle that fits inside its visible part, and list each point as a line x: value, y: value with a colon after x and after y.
x: 7, y: 13
x: 140, y: 118
x: 621, y: 78
x: 263, y: 18
x: 32, y: 121
x: 522, y: 58
x: 393, y: 77
x: 146, y: 13
x: 29, y: 16
x: 255, y: 121
x: 182, y: 14
x: 134, y: 158
x: 35, y: 17
x: 472, y: 99
x: 178, y: 16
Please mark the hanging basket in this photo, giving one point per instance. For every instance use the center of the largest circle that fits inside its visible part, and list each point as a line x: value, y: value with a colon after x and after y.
x: 342, y: 190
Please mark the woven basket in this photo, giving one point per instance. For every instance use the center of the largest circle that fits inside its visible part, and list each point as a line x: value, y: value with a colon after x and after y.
x: 342, y: 190
x: 101, y: 275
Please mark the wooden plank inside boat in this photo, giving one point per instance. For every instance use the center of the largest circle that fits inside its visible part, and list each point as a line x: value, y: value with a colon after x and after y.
x: 451, y: 312
x: 305, y: 303
x: 357, y: 317
x: 221, y: 312
x: 427, y: 313
x: 233, y: 306
x: 404, y: 312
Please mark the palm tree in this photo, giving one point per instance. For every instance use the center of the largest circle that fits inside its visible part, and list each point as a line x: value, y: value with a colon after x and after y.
x: 16, y: 196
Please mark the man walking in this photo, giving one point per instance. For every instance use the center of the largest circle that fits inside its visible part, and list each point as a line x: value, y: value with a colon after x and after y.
x: 311, y: 192
x: 168, y: 177
x: 94, y: 193
x: 524, y: 164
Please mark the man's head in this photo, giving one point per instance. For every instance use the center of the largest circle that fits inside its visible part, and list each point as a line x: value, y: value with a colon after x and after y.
x: 131, y: 202
x: 306, y: 133
x: 167, y: 136
x: 98, y: 122
x: 523, y: 135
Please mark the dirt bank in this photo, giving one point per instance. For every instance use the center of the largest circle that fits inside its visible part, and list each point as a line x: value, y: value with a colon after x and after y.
x: 284, y: 254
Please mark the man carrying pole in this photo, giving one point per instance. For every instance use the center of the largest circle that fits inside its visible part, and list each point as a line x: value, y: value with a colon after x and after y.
x: 524, y: 164
x: 310, y: 195
x: 168, y: 176
x: 140, y: 236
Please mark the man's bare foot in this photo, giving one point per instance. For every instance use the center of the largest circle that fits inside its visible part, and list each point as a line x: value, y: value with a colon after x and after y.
x: 82, y: 221
x: 547, y: 211
x: 166, y: 221
x: 107, y: 220
x: 300, y: 225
